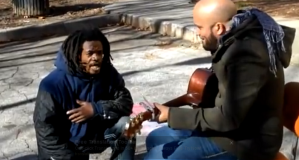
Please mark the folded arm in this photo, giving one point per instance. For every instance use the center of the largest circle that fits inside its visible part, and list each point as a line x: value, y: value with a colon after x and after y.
x: 245, y: 77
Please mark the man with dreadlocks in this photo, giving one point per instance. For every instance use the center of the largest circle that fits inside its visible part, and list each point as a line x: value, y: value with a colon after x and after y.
x: 249, y: 51
x: 83, y: 105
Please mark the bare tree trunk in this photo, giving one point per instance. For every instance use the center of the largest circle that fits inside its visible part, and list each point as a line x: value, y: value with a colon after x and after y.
x: 30, y: 7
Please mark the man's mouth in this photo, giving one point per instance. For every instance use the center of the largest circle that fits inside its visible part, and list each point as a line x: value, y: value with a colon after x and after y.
x: 95, y: 67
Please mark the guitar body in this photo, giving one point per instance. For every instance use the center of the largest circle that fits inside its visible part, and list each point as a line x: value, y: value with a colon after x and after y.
x: 202, y: 90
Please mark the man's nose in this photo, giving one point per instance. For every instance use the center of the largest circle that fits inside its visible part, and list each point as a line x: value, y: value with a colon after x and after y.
x: 95, y: 57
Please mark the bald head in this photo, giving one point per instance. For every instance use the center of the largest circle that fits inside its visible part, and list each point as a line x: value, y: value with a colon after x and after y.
x: 215, y: 10
x: 211, y: 18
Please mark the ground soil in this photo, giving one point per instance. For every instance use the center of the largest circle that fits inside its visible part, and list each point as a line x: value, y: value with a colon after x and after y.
x: 71, y: 9
x: 59, y: 10
x: 283, y: 8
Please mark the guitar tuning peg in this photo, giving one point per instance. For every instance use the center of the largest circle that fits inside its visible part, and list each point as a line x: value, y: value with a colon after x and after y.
x: 132, y: 124
x: 141, y: 118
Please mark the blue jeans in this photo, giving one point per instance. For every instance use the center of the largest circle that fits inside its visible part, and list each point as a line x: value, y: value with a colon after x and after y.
x: 166, y: 143
x: 122, y: 149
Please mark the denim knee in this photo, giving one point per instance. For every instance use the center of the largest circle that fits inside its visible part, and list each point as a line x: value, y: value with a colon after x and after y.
x: 157, y: 137
x: 165, y: 135
x: 117, y: 129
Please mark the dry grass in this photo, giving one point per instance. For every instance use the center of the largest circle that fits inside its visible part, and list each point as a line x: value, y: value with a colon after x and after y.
x: 60, y: 10
x: 285, y: 8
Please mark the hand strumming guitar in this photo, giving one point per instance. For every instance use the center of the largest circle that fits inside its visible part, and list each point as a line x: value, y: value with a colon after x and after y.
x: 164, y: 111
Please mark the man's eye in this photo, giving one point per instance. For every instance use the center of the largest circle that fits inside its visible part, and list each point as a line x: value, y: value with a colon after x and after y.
x: 100, y: 52
x: 94, y: 52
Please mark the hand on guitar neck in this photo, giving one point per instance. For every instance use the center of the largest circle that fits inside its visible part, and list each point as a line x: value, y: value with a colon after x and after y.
x: 191, y: 99
x: 202, y: 90
x: 135, y: 125
x: 159, y: 113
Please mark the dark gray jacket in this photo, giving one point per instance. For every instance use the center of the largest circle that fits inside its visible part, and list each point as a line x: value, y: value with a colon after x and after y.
x: 246, y: 118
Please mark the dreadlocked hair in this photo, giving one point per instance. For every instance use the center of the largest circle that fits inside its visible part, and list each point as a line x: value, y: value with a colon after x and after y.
x: 73, y: 45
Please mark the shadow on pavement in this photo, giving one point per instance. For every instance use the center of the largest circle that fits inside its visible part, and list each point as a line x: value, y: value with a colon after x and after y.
x: 17, y: 104
x: 19, y: 61
x: 27, y: 157
x: 195, y: 61
x: 34, y: 51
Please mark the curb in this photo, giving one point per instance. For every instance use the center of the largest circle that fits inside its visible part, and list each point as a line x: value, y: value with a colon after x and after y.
x: 58, y: 28
x: 171, y: 17
x: 162, y: 27
x: 179, y: 30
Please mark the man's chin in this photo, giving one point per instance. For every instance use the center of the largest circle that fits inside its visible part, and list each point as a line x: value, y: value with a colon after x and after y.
x: 94, y: 72
x: 207, y: 48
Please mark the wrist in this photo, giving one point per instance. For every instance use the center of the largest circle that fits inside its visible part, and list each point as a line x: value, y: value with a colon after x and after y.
x: 97, y: 108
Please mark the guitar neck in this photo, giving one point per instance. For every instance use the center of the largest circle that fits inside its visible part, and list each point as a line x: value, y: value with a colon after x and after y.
x: 149, y: 114
x: 186, y: 99
x: 177, y: 102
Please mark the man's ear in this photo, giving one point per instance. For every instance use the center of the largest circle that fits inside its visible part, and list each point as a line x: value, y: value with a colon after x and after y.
x: 220, y: 28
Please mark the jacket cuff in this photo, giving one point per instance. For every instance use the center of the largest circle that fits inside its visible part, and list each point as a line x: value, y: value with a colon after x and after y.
x: 182, y: 118
x: 97, y: 108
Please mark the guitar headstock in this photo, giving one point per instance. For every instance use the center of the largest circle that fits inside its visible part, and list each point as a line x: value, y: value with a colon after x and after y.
x: 135, y: 125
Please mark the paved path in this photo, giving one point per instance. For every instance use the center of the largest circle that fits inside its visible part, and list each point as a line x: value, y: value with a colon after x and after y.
x: 154, y: 66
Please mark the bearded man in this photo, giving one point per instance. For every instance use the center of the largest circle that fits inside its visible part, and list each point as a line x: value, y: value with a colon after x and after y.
x: 249, y: 51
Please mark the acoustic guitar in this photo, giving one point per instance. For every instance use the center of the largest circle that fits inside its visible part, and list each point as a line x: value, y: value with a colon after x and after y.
x: 202, y: 91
